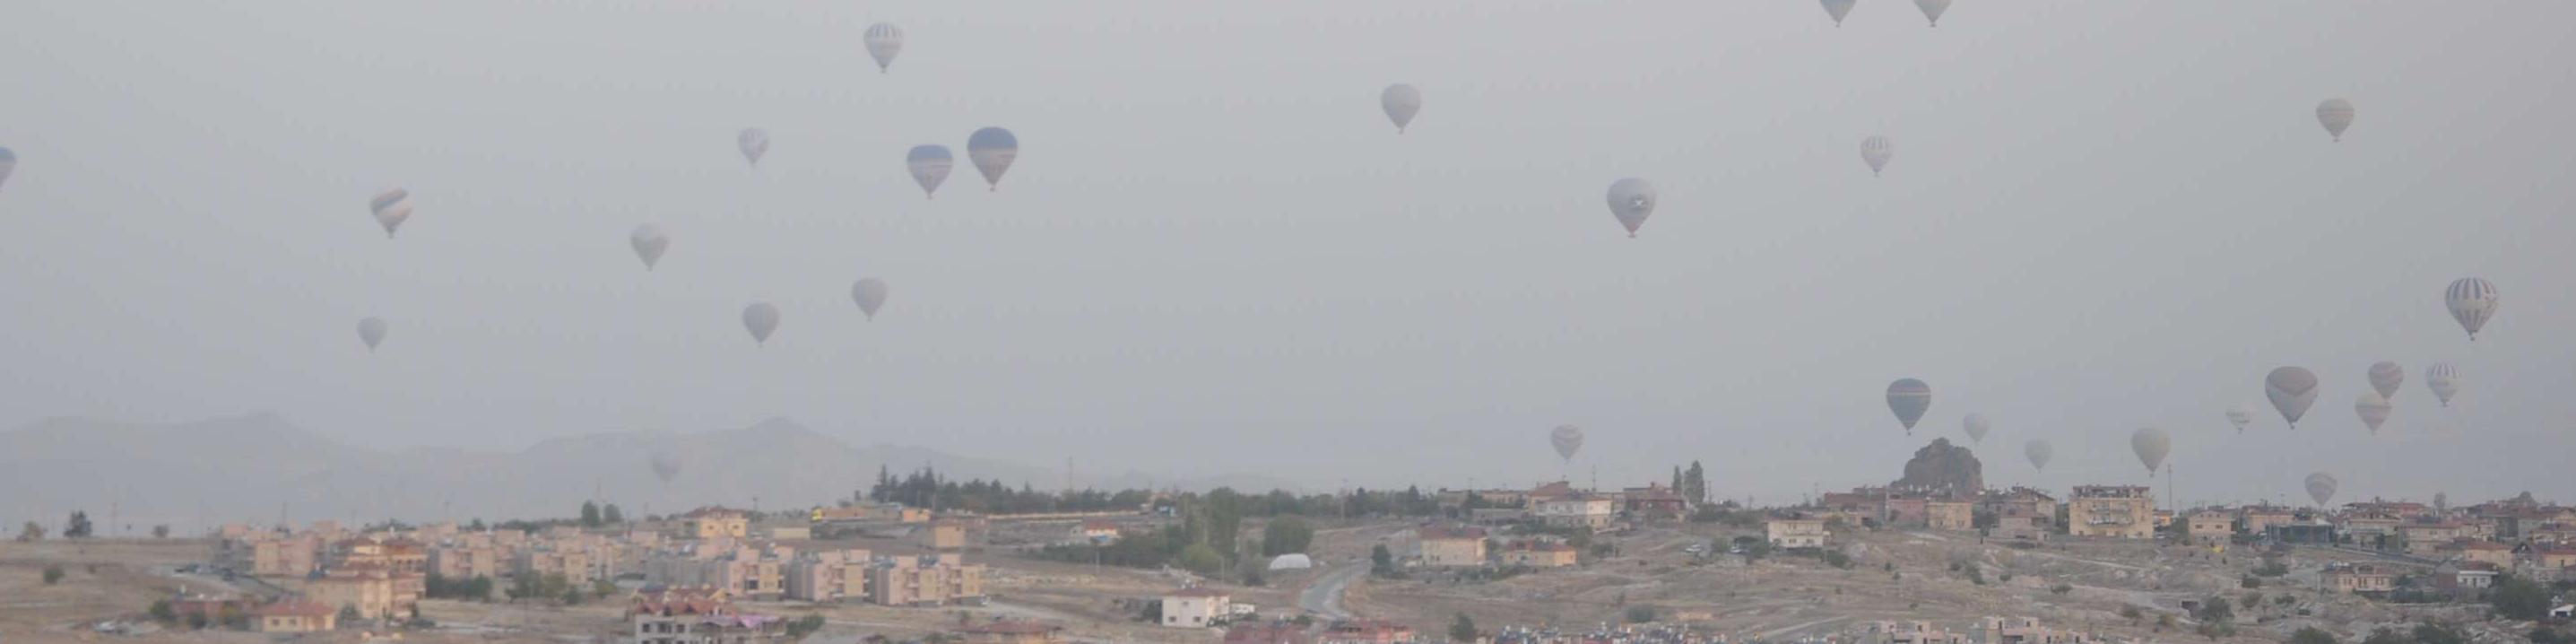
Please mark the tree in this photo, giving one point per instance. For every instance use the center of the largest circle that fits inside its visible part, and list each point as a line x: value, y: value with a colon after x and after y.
x: 804, y: 626
x: 2386, y: 636
x: 1695, y: 483
x: 31, y: 532
x: 611, y: 515
x: 2249, y: 581
x: 2431, y: 633
x: 2216, y: 609
x: 77, y: 527
x: 1286, y: 535
x: 601, y: 589
x: 161, y: 531
x: 589, y: 514
x: 1381, y: 562
x: 2131, y: 613
x: 2311, y: 635
x: 1462, y: 630
x: 53, y: 575
x: 2519, y: 598
x: 1640, y: 614
x: 1837, y: 559
x: 2251, y: 602
x: 1202, y: 559
x: 161, y: 612
x: 349, y: 614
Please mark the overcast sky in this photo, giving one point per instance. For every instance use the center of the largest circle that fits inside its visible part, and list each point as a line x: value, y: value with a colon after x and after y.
x: 1216, y: 255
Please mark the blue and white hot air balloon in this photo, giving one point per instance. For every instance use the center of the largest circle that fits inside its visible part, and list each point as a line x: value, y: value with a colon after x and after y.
x: 929, y: 165
x: 993, y: 149
x: 2472, y: 301
x: 392, y: 208
x: 884, y: 41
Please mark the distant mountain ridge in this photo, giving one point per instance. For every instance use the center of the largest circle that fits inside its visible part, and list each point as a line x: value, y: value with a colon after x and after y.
x: 260, y: 466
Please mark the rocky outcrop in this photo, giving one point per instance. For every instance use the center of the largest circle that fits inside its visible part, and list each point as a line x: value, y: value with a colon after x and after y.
x: 1943, y: 468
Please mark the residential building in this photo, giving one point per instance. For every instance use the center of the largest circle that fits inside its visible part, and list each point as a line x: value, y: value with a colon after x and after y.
x: 1439, y: 546
x: 1945, y: 514
x: 2024, y: 630
x: 2369, y: 529
x: 2115, y: 511
x: 574, y: 565
x: 294, y: 616
x: 368, y: 589
x: 1917, y: 633
x: 2023, y: 501
x: 2469, y: 576
x: 1270, y: 633
x: 1577, y: 510
x: 1196, y: 607
x: 1012, y: 632
x: 923, y: 581
x: 2210, y: 527
x: 469, y: 562
x: 1366, y: 631
x: 1787, y: 532
x: 717, y: 523
x: 694, y: 616
x: 1654, y: 501
x: 2423, y: 539
x: 1097, y: 531
x: 2553, y: 557
x: 1541, y: 553
x: 828, y: 576
x: 944, y: 535
x: 292, y: 556
x: 2359, y: 578
x: 2258, y: 519
x: 2485, y: 552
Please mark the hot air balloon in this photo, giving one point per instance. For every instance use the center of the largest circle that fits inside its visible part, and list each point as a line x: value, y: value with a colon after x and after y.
x: 665, y: 466
x: 1977, y: 426
x: 2444, y: 380
x: 1932, y: 9
x: 760, y: 318
x: 1567, y: 439
x: 2241, y: 414
x: 2151, y: 445
x: 2385, y: 377
x: 649, y: 242
x: 884, y: 41
x: 2335, y: 114
x: 2472, y: 302
x: 2373, y: 409
x: 754, y: 142
x: 929, y: 165
x: 2292, y: 390
x: 391, y: 208
x: 1838, y: 9
x: 1401, y: 102
x: 1875, y: 151
x: 1632, y: 200
x: 992, y: 149
x: 2321, y: 487
x: 8, y: 163
x: 1909, y: 398
x: 2038, y: 452
x: 870, y: 293
x: 372, y: 332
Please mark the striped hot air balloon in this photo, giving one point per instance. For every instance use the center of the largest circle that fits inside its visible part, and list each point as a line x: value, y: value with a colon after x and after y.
x: 392, y: 208
x: 2386, y: 377
x: 2472, y: 302
x: 2335, y: 114
x: 1566, y: 439
x: 884, y: 41
x: 993, y: 149
x: 2444, y: 380
x: 2321, y: 487
x: 1875, y: 151
x: 929, y: 165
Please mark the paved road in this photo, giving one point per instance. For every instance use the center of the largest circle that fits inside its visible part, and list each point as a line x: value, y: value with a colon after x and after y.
x: 1325, y: 596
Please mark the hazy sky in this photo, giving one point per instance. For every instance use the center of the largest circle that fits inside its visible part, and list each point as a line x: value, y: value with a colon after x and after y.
x: 1215, y: 255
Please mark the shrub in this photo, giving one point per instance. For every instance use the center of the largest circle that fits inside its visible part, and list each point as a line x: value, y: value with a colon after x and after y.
x: 2061, y: 589
x: 53, y: 575
x: 2272, y: 568
x: 2311, y: 635
x: 1641, y: 614
x: 2250, y: 581
x: 1837, y: 559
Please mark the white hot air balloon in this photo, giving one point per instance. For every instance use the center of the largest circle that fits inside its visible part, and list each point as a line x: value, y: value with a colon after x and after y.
x: 1932, y: 9
x: 2038, y: 452
x: 649, y: 242
x: 1977, y: 427
x: 1566, y: 439
x: 870, y: 293
x: 392, y: 208
x: 2386, y: 377
x: 754, y: 142
x: 2292, y: 390
x: 372, y: 332
x: 993, y: 149
x: 1838, y: 9
x: 760, y: 319
x: 884, y: 41
x: 929, y: 165
x: 1875, y: 151
x: 1632, y: 200
x: 2321, y: 487
x: 2240, y: 415
x: 2335, y: 114
x: 1909, y: 398
x: 2373, y: 409
x: 2443, y: 380
x: 1401, y: 102
x: 2472, y: 301
x: 2152, y: 445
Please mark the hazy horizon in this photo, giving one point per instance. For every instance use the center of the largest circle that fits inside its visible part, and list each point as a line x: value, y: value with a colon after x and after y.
x: 1215, y: 255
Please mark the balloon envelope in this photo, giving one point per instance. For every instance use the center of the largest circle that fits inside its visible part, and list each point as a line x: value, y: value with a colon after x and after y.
x: 1932, y: 9
x: 1401, y: 102
x: 993, y: 149
x: 2038, y: 452
x: 1977, y: 427
x: 2386, y: 377
x: 649, y: 242
x: 929, y: 165
x: 8, y: 163
x: 870, y: 293
x: 2373, y: 410
x: 754, y: 142
x: 1838, y: 9
x: 2444, y: 380
x: 1566, y: 439
x: 1632, y: 200
x: 392, y: 208
x: 2335, y: 114
x: 1875, y: 151
x: 2152, y: 445
x: 665, y: 467
x: 2292, y: 390
x: 884, y: 41
x: 2472, y: 301
x: 372, y: 332
x: 1909, y: 398
x: 2321, y: 487
x: 760, y: 319
x: 2240, y: 415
